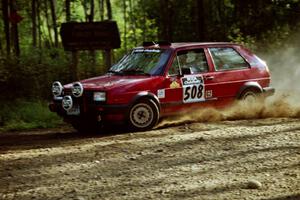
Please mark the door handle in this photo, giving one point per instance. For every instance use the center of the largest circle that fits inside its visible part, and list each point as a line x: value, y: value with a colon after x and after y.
x: 209, y: 77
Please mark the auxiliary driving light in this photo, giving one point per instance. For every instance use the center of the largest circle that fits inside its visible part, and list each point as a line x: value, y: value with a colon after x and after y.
x: 57, y: 88
x: 77, y: 89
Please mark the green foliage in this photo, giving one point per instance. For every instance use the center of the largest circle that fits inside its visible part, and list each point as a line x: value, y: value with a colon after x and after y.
x: 236, y: 36
x: 31, y: 75
x: 20, y: 114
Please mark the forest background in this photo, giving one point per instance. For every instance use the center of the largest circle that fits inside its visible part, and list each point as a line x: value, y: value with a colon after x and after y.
x: 32, y: 55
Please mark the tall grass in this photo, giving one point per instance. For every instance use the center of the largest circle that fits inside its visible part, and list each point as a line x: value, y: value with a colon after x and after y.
x: 22, y: 115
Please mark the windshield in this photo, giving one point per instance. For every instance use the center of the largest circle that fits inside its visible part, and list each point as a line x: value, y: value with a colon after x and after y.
x: 142, y: 61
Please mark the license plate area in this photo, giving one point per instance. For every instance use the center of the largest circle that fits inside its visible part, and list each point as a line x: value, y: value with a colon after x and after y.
x: 75, y: 110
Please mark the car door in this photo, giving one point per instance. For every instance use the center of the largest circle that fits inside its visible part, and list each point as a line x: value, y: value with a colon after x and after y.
x: 188, y: 81
x: 230, y: 72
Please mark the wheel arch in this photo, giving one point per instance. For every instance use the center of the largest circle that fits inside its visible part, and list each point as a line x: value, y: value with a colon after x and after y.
x: 151, y: 100
x: 145, y: 95
x: 249, y: 86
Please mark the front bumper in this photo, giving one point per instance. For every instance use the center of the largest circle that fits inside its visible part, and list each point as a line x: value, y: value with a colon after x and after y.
x: 93, y: 112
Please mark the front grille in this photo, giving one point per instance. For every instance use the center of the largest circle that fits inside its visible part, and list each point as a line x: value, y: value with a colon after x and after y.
x: 86, y: 98
x: 68, y: 92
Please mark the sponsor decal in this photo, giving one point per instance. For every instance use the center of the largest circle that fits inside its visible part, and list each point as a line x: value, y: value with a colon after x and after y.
x: 208, y: 94
x: 161, y: 93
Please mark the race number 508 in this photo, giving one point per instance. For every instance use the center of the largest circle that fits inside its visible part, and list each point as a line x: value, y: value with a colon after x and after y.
x: 193, y: 93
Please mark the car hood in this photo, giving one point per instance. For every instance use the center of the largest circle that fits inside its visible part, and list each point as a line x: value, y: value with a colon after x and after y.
x: 108, y: 82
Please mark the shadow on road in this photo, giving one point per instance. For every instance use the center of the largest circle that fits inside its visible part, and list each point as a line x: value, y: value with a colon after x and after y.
x: 47, y: 138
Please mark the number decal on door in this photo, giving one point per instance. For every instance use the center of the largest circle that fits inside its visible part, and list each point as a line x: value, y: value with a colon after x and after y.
x: 193, y: 89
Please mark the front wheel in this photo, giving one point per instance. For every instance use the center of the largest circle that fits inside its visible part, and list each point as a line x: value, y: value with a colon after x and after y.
x: 143, y: 115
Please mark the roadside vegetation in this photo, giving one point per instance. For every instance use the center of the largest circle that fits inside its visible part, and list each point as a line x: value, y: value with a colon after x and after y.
x: 32, y: 56
x: 23, y: 114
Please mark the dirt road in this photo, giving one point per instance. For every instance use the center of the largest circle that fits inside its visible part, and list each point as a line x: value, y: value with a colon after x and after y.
x: 243, y: 159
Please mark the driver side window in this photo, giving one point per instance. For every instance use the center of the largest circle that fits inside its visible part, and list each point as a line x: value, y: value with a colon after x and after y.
x: 194, y: 59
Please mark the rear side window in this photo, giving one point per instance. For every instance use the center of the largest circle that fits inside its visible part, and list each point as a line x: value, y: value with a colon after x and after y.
x: 227, y: 59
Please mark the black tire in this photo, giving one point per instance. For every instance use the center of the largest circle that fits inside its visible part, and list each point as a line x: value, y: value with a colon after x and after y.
x: 249, y: 96
x: 143, y: 115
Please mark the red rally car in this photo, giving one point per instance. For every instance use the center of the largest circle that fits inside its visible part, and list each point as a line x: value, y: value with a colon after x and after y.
x: 161, y: 79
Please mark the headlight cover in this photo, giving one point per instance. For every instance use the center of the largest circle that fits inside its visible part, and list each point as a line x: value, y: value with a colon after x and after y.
x: 77, y: 89
x: 99, y: 96
x: 57, y: 89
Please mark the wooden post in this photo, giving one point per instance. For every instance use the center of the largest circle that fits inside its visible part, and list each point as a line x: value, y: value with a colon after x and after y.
x: 73, y: 66
x: 108, y: 58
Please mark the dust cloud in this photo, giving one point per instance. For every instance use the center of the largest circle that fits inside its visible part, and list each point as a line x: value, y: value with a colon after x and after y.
x: 285, y: 73
x: 278, y: 106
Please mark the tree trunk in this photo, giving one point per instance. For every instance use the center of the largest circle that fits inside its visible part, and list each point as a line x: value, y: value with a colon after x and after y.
x: 38, y: 13
x: 50, y: 43
x: 74, y: 58
x: 14, y: 30
x: 92, y: 52
x: 222, y: 20
x: 166, y: 16
x: 6, y: 25
x: 200, y: 20
x: 73, y: 66
x: 108, y: 51
x: 68, y: 10
x: 144, y: 20
x: 1, y: 49
x: 85, y: 10
x: 108, y: 7
x: 101, y: 9
x: 53, y: 15
x: 33, y: 18
x: 133, y: 22
x: 125, y: 25
x: 92, y: 11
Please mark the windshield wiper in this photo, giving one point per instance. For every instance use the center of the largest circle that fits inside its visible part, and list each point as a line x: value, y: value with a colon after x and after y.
x: 134, y: 71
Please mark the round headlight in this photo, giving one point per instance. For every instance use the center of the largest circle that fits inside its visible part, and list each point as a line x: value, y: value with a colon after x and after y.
x: 77, y: 89
x: 67, y: 102
x: 57, y: 88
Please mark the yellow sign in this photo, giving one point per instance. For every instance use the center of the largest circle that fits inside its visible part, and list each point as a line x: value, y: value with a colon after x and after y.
x: 174, y: 84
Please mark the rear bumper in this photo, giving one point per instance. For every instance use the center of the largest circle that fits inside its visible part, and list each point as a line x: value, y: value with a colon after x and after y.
x: 268, y: 91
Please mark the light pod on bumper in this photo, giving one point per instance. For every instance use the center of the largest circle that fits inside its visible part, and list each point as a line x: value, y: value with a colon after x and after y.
x: 77, y: 89
x: 57, y: 89
x: 99, y: 96
x: 67, y: 103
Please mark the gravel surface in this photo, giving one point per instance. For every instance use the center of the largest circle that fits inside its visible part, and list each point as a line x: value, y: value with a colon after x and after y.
x: 241, y: 159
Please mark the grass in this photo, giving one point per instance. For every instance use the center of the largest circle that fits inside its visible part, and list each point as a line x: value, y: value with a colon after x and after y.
x: 24, y: 115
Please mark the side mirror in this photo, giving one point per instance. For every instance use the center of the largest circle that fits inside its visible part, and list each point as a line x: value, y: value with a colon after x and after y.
x: 185, y: 71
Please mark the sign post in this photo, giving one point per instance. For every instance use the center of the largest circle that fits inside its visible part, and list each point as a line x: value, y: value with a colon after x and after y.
x: 102, y: 35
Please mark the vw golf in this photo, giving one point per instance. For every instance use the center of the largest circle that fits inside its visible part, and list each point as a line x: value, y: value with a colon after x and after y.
x: 161, y: 79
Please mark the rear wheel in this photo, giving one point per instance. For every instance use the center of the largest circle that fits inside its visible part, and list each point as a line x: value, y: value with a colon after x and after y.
x: 143, y: 115
x: 249, y: 96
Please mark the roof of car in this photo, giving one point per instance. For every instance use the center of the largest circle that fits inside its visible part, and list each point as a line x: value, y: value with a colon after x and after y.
x: 190, y: 44
x: 185, y: 44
